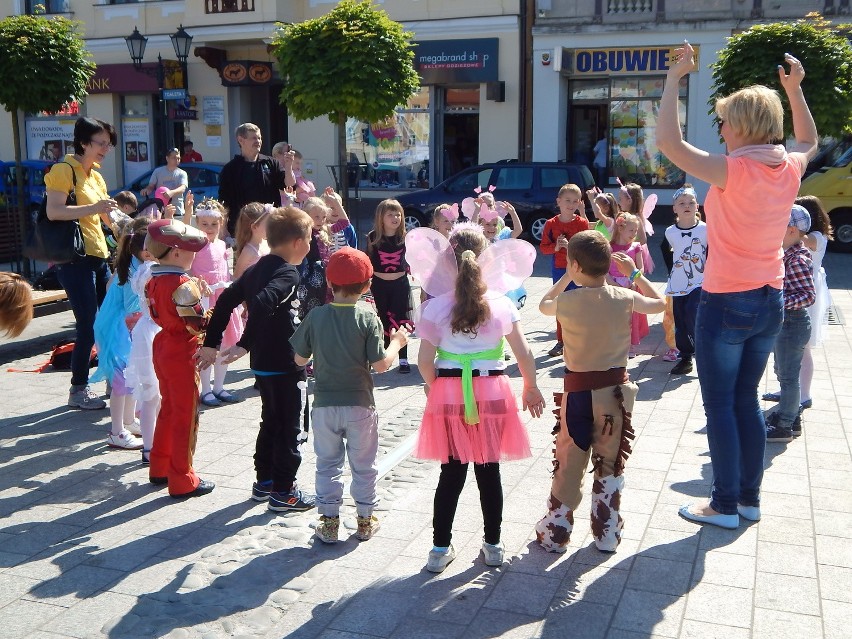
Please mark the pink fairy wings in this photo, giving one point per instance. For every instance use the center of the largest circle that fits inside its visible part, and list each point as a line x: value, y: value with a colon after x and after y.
x: 647, y: 209
x: 505, y: 264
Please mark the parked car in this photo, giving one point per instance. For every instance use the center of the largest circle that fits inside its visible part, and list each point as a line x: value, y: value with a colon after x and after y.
x: 531, y: 187
x: 34, y: 171
x: 203, y: 180
x: 832, y: 184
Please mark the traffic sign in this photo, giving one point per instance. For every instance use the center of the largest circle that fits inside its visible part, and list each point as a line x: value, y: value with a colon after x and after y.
x: 174, y: 94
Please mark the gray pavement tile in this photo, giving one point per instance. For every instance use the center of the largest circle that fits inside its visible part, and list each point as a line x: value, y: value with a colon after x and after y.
x: 13, y: 587
x: 338, y: 583
x: 784, y: 483
x: 660, y: 575
x: 786, y: 530
x: 622, y: 559
x: 790, y: 506
x: 724, y: 569
x: 692, y: 629
x: 522, y: 593
x: 834, y: 583
x: 590, y: 584
x: 619, y: 633
x: 832, y: 523
x: 799, y: 595
x: 77, y: 583
x: 591, y: 620
x: 491, y: 623
x: 457, y: 599
x: 837, y: 619
x: 777, y: 623
x: 673, y: 545
x: 434, y: 629
x: 649, y: 613
x: 742, y: 541
x: 835, y: 551
x: 786, y: 559
x: 534, y: 560
x: 712, y: 603
x: 832, y: 499
x: 22, y: 618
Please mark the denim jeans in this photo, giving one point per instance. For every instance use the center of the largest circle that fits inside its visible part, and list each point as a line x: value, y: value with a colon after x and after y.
x: 684, y: 311
x: 84, y: 281
x: 734, y: 334
x: 789, y: 348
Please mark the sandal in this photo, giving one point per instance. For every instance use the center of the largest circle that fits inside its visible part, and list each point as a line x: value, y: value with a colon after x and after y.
x: 227, y: 397
x: 210, y: 399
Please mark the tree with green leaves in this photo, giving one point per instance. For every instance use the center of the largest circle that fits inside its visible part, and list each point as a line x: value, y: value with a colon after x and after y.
x: 352, y: 62
x: 752, y: 57
x: 44, y: 64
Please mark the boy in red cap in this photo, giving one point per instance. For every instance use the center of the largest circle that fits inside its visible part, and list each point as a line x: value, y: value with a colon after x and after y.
x: 174, y: 300
x: 345, y: 340
x: 268, y: 289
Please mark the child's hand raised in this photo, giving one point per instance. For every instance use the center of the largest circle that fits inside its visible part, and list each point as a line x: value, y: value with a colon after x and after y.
x: 624, y: 263
x: 188, y: 201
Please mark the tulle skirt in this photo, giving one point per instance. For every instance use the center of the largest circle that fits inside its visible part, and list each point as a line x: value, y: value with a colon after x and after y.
x: 818, y: 311
x: 234, y: 329
x: 499, y: 436
x: 139, y: 373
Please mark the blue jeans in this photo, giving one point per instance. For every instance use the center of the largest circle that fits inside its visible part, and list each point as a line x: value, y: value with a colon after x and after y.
x: 685, y: 311
x: 734, y: 334
x: 789, y: 348
x: 84, y: 281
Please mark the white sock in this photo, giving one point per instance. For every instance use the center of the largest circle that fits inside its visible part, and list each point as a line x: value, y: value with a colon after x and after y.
x: 147, y: 421
x: 205, y: 382
x: 116, y: 412
x: 129, y: 409
x: 219, y: 371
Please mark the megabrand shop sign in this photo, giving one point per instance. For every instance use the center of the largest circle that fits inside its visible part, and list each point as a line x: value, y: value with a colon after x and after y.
x: 627, y: 60
x: 448, y: 61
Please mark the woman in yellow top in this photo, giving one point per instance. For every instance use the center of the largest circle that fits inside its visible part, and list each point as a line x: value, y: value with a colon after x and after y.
x: 84, y: 279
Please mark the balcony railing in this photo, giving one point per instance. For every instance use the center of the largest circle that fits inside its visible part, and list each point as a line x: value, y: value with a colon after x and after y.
x: 228, y: 6
x: 629, y: 7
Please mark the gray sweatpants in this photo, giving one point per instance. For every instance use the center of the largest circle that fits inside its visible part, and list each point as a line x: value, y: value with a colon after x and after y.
x: 339, y: 431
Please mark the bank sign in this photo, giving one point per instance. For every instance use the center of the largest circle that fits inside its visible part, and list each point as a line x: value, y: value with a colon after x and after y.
x: 626, y: 60
x: 449, y: 61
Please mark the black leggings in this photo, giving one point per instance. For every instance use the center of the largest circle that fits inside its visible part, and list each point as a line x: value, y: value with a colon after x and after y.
x: 393, y: 304
x: 450, y: 484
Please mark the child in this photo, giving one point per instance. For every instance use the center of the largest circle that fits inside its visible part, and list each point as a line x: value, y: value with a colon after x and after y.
x: 269, y: 290
x: 443, y: 218
x: 250, y: 240
x: 799, y: 294
x: 817, y: 241
x: 626, y: 227
x: 16, y: 304
x: 631, y: 199
x: 605, y: 209
x: 594, y: 413
x: 471, y: 415
x: 314, y: 290
x: 391, y: 288
x: 554, y: 239
x: 139, y: 373
x: 127, y: 202
x: 491, y: 218
x: 116, y: 317
x: 174, y: 300
x: 211, y: 264
x: 345, y: 340
x: 346, y: 236
x: 688, y: 239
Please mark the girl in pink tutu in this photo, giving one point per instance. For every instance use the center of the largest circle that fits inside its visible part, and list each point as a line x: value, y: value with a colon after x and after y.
x: 211, y: 264
x: 624, y: 234
x: 471, y: 414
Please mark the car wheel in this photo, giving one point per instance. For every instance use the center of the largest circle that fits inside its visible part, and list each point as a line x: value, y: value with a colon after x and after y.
x: 413, y: 220
x: 842, y: 223
x: 536, y: 224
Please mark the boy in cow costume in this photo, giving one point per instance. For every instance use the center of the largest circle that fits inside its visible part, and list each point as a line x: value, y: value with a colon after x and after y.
x: 174, y: 300
x: 594, y: 411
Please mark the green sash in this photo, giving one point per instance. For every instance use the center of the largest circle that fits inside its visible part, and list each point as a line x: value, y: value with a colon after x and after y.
x: 471, y: 414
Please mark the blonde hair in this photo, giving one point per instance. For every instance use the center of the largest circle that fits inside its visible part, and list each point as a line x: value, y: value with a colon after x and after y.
x: 570, y: 188
x: 622, y: 221
x: 470, y: 310
x: 287, y: 224
x: 250, y: 215
x: 755, y: 113
x: 16, y: 304
x: 379, y: 225
x: 324, y: 232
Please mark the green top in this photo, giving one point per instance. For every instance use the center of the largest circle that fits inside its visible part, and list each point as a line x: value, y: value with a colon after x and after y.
x: 344, y: 340
x: 471, y: 414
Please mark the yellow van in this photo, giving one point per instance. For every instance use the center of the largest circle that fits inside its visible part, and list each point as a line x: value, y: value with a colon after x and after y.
x: 832, y: 184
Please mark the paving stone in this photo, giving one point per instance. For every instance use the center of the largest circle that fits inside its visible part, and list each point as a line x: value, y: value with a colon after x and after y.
x: 835, y: 551
x: 692, y: 629
x: 786, y: 530
x: 503, y: 624
x: 837, y: 619
x: 834, y: 583
x: 525, y: 594
x: 22, y: 618
x: 724, y: 569
x: 711, y: 603
x: 649, y: 613
x: 776, y: 623
x: 798, y: 595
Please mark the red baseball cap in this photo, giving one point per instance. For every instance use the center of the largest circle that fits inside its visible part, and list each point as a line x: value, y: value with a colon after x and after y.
x: 348, y: 266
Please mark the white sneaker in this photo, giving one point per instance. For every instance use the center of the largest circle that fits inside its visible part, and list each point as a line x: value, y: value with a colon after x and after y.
x: 493, y: 553
x: 134, y: 427
x: 124, y: 440
x: 440, y: 560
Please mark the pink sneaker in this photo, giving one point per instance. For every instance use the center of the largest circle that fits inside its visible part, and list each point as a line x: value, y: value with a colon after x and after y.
x: 672, y: 355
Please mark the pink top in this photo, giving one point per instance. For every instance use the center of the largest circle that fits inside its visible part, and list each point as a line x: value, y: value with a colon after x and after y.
x: 632, y: 249
x: 211, y: 263
x: 746, y: 223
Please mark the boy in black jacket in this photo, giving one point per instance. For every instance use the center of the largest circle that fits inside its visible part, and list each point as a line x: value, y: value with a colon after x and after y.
x: 269, y: 291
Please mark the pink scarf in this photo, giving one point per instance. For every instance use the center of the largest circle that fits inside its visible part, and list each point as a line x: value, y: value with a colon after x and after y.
x: 768, y: 154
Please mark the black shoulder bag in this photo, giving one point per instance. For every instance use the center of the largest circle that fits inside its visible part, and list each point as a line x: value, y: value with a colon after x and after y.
x: 57, y: 241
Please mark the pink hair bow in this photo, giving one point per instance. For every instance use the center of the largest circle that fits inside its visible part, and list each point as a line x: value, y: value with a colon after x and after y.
x: 451, y: 213
x: 486, y: 213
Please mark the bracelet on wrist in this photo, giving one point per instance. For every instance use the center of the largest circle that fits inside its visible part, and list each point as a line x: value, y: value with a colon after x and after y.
x: 635, y: 275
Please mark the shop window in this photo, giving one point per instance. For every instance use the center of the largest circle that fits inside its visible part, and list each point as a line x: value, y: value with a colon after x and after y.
x: 393, y: 153
x: 135, y: 105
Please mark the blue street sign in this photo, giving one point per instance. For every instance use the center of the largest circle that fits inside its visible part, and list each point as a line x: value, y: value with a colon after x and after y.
x: 174, y: 94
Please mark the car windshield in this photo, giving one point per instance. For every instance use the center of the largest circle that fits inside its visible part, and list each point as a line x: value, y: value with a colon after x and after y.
x: 845, y: 157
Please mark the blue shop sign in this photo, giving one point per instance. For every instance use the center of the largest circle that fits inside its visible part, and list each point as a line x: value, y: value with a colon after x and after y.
x: 618, y: 60
x: 456, y: 61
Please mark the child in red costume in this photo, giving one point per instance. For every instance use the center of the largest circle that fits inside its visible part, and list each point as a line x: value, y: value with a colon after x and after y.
x: 174, y: 300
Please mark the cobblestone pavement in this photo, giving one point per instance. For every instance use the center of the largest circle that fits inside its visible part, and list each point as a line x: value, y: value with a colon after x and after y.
x: 88, y: 548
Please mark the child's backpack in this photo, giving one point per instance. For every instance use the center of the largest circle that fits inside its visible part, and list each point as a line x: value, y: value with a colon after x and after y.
x: 60, y: 356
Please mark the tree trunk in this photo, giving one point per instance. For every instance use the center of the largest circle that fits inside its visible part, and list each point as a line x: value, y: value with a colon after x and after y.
x: 342, y: 172
x: 23, y: 200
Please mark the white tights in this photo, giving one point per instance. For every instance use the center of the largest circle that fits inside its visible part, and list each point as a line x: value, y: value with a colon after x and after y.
x: 219, y: 371
x: 148, y: 411
x: 806, y: 374
x: 122, y: 411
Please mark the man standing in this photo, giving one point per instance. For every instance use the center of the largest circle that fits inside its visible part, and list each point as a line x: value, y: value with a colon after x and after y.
x: 173, y: 178
x: 189, y: 153
x: 249, y: 176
